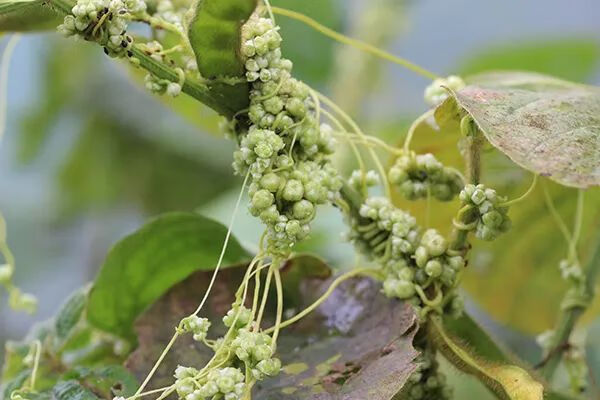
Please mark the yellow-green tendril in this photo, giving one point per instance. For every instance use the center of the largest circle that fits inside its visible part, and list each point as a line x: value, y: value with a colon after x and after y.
x: 524, y: 195
x: 360, y: 45
x: 339, y: 280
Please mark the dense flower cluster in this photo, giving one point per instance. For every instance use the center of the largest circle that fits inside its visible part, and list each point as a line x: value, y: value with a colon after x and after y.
x: 483, y: 212
x: 436, y: 92
x: 285, y: 151
x: 226, y: 383
x: 252, y: 349
x: 105, y: 22
x: 427, y: 382
x: 412, y: 262
x: 419, y: 175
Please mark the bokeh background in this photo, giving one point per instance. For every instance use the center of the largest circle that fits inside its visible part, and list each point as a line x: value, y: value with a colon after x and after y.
x: 88, y: 155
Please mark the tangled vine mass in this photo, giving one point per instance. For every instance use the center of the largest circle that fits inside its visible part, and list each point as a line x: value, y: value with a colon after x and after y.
x: 287, y: 140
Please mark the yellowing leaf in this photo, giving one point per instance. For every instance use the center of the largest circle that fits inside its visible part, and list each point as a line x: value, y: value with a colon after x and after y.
x: 507, y: 381
x: 544, y: 124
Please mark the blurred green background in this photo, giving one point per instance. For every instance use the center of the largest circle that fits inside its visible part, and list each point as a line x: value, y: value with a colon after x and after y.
x: 88, y: 154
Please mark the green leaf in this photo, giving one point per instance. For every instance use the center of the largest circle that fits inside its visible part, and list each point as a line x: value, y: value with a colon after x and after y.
x: 506, y: 380
x: 145, y: 264
x: 357, y: 345
x: 546, y: 125
x: 214, y: 34
x: 27, y: 15
x: 574, y: 59
x: 69, y: 315
x: 72, y: 390
x: 9, y: 386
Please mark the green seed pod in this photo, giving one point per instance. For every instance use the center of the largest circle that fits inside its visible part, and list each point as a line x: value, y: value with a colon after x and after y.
x: 406, y: 274
x: 435, y: 243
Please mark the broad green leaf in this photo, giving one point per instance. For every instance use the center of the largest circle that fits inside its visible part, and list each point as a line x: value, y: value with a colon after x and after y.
x: 70, y: 315
x: 574, y: 59
x: 72, y: 390
x: 546, y: 125
x: 27, y: 15
x: 214, y: 34
x: 506, y: 380
x: 145, y: 264
x: 355, y: 346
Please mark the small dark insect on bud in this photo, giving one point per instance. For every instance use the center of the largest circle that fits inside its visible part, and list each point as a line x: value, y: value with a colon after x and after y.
x: 124, y: 44
x: 129, y: 39
x: 130, y: 53
x: 122, y: 12
x: 105, y: 50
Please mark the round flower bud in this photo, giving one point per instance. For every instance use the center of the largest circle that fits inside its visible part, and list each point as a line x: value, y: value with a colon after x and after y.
x: 225, y: 384
x: 303, y: 209
x: 209, y: 389
x: 270, y: 367
x: 295, y: 107
x: 273, y: 105
x: 421, y: 256
x: 270, y: 215
x: 262, y: 352
x: 493, y: 219
x: 478, y: 196
x: 262, y: 199
x: 293, y: 190
x: 436, y: 244
x: 270, y: 182
x: 433, y: 268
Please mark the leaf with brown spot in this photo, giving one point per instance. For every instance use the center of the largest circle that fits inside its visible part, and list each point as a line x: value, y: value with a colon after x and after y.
x: 356, y: 345
x: 544, y: 124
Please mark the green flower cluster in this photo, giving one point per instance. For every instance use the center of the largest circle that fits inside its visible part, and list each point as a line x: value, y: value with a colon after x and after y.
x: 256, y: 351
x: 225, y: 383
x: 483, y: 212
x: 436, y: 92
x: 105, y: 22
x: 285, y: 151
x: 419, y: 175
x: 412, y: 262
x: 427, y: 382
x: 197, y: 326
x: 240, y: 346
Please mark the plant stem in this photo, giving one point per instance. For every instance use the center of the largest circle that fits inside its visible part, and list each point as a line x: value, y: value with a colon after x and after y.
x: 569, y: 317
x: 191, y: 87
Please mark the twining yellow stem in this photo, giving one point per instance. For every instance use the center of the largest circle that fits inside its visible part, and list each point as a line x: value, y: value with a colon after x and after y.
x: 524, y: 195
x: 4, y: 64
x: 330, y: 103
x: 320, y: 300
x: 263, y: 302
x: 36, y: 363
x: 368, y: 48
x: 413, y: 128
x: 279, y: 312
x: 212, y: 281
